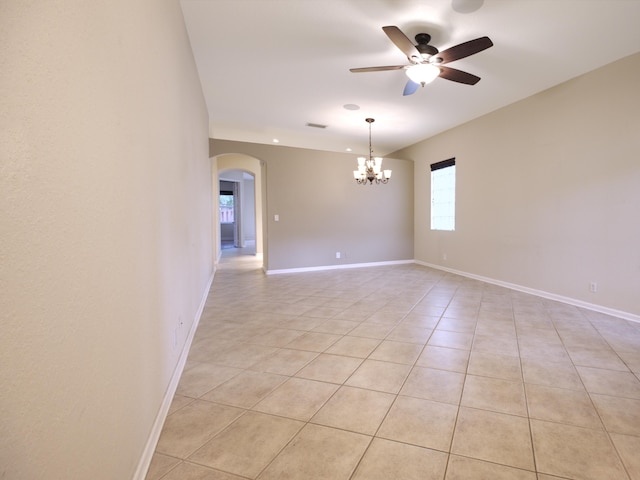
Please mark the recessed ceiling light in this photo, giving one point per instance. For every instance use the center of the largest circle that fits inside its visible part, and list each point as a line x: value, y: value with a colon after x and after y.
x: 351, y: 106
x: 275, y: 140
x: 348, y: 149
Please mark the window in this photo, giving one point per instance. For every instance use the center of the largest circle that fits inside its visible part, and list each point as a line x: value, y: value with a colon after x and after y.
x: 226, y: 207
x: 443, y: 195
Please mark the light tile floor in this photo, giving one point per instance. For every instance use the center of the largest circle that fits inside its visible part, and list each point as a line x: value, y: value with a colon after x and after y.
x: 400, y: 372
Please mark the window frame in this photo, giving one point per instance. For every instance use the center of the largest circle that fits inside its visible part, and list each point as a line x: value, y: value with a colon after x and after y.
x: 443, y: 209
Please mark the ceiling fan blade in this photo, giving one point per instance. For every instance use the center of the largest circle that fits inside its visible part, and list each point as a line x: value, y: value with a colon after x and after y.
x: 401, y: 41
x: 459, y: 76
x: 410, y: 88
x: 377, y: 69
x: 465, y: 49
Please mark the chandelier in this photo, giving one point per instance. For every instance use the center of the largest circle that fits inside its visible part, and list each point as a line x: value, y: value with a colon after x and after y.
x: 370, y: 170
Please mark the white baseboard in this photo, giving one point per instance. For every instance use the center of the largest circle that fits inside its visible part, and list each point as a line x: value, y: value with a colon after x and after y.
x: 154, y: 436
x: 540, y: 293
x: 336, y: 267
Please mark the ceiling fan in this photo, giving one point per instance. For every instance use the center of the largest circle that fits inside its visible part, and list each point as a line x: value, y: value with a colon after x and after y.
x: 427, y: 62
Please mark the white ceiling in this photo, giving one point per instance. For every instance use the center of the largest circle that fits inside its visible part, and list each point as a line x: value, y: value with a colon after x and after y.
x: 268, y: 67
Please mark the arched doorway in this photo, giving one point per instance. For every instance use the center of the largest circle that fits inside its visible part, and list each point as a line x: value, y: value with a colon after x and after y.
x: 237, y: 211
x: 240, y: 222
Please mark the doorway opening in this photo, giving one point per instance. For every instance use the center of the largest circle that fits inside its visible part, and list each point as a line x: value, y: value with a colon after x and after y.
x: 246, y: 239
x: 237, y: 212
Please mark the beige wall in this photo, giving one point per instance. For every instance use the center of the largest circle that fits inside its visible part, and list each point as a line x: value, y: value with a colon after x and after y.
x: 548, y: 191
x: 106, y: 229
x: 323, y: 211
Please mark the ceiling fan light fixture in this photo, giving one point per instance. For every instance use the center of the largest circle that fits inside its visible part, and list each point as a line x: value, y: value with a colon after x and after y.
x: 423, y: 73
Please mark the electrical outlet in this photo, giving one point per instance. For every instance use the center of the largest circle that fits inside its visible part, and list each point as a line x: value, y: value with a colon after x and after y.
x: 444, y: 256
x: 338, y: 255
x: 593, y: 287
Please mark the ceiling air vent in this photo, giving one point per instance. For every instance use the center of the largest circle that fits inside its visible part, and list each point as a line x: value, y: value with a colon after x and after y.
x: 316, y: 125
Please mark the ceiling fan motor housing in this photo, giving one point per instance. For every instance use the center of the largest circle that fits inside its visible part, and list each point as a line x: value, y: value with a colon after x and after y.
x: 423, y: 46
